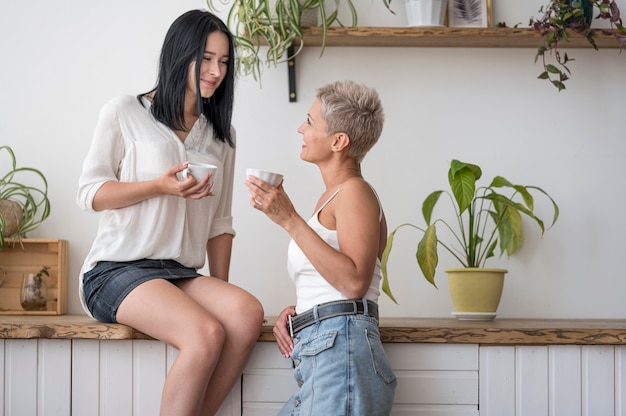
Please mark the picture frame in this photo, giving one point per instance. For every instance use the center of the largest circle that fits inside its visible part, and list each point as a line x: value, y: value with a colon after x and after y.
x: 470, y: 13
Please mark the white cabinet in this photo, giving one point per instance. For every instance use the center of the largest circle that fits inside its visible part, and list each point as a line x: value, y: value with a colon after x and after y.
x: 51, y: 377
x: 63, y: 377
x: 556, y: 380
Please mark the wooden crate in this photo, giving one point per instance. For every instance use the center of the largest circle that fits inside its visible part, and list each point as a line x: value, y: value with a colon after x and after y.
x: 29, y: 257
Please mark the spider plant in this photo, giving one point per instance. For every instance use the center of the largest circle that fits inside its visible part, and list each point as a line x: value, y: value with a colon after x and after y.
x: 23, y: 207
x: 278, y: 25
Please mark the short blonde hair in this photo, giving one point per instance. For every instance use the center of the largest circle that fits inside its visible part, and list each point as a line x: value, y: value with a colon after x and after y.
x: 354, y: 109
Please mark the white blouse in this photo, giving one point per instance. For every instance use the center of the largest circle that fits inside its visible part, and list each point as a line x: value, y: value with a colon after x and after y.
x: 129, y: 145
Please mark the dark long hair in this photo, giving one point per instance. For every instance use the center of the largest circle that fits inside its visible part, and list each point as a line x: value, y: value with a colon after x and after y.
x: 184, y: 44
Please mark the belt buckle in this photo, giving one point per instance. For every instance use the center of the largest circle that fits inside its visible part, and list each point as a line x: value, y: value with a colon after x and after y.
x: 290, y: 321
x: 355, y: 307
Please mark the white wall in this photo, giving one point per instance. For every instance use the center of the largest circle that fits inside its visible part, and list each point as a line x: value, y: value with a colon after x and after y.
x: 62, y: 60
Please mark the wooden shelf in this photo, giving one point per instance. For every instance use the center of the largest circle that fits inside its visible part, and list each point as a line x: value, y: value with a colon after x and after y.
x: 445, y: 37
x: 392, y: 330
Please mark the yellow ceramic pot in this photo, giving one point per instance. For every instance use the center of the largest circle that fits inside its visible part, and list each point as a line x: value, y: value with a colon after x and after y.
x: 475, y: 290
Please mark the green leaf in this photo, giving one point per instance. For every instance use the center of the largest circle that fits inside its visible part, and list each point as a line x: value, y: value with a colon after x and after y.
x: 555, y: 207
x: 427, y: 254
x: 429, y: 204
x: 462, y: 178
x: 491, y: 250
x: 509, y: 228
x: 553, y: 69
x: 384, y: 260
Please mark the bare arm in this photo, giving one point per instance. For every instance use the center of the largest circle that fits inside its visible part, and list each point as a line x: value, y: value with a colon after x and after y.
x: 354, y: 213
x: 112, y: 194
x: 218, y: 253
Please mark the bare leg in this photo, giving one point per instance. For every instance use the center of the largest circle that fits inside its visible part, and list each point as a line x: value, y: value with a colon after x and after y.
x: 165, y: 312
x: 241, y: 317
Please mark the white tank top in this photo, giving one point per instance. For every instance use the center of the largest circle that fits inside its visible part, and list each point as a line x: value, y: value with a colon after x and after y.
x: 311, y: 288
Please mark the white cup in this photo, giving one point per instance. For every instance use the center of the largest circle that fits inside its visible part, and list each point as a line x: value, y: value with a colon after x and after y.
x: 270, y: 178
x: 199, y: 171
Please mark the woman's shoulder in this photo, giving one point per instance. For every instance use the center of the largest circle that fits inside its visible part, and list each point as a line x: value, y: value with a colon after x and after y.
x: 126, y: 101
x: 125, y: 105
x: 358, y: 189
x: 357, y: 185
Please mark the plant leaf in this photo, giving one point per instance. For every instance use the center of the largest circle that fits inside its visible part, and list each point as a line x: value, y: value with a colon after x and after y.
x: 427, y: 254
x: 462, y: 178
x: 383, y: 262
x: 429, y: 204
x: 509, y: 227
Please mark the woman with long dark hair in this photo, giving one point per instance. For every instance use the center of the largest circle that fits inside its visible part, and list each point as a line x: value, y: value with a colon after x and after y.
x: 157, y: 227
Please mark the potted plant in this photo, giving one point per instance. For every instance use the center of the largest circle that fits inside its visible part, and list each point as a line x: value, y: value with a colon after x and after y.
x: 23, y: 207
x: 34, y: 293
x: 562, y: 17
x: 277, y: 25
x: 487, y: 219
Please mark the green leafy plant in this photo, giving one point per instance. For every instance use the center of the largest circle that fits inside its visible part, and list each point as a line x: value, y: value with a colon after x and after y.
x: 486, y: 217
x: 43, y: 272
x: 276, y: 24
x: 575, y: 16
x: 22, y: 207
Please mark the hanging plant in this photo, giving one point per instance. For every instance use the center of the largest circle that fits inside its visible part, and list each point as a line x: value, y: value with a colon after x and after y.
x: 22, y: 207
x: 561, y: 16
x: 278, y: 25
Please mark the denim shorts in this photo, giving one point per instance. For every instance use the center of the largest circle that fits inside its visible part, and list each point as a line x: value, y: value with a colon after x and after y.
x: 109, y: 282
x: 341, y: 368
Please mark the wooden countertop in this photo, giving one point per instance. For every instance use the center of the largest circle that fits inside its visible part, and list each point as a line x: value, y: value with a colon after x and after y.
x: 393, y: 330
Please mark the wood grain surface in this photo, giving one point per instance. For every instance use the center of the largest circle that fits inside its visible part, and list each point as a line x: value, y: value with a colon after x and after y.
x: 392, y: 330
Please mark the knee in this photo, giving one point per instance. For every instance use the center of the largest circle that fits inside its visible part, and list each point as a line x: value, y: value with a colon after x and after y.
x: 209, y: 338
x: 250, y: 315
x: 255, y: 310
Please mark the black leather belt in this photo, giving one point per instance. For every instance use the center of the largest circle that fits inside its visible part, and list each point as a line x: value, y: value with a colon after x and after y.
x: 330, y: 310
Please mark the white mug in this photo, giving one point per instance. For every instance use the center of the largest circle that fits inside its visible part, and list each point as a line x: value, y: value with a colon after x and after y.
x: 270, y: 178
x: 199, y: 171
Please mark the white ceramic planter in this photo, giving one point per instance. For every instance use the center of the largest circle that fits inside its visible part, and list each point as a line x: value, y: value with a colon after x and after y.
x: 426, y: 12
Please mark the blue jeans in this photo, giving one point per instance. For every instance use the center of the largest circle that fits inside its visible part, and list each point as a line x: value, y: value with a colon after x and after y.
x: 342, y: 370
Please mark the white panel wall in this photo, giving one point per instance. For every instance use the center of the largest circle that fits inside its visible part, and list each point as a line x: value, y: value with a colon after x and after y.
x: 552, y: 380
x: 497, y: 381
x: 54, y: 377
x: 125, y: 378
x: 565, y: 380
x: 598, y: 381
x: 87, y: 377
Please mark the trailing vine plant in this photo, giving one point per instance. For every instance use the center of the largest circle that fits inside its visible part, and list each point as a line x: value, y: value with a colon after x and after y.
x: 561, y: 16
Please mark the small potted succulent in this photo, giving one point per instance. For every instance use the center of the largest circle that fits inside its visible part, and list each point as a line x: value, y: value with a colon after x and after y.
x: 23, y: 206
x: 488, y: 219
x: 560, y: 17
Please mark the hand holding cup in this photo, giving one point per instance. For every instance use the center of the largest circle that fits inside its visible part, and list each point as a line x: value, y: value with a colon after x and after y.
x: 271, y: 178
x: 199, y: 171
